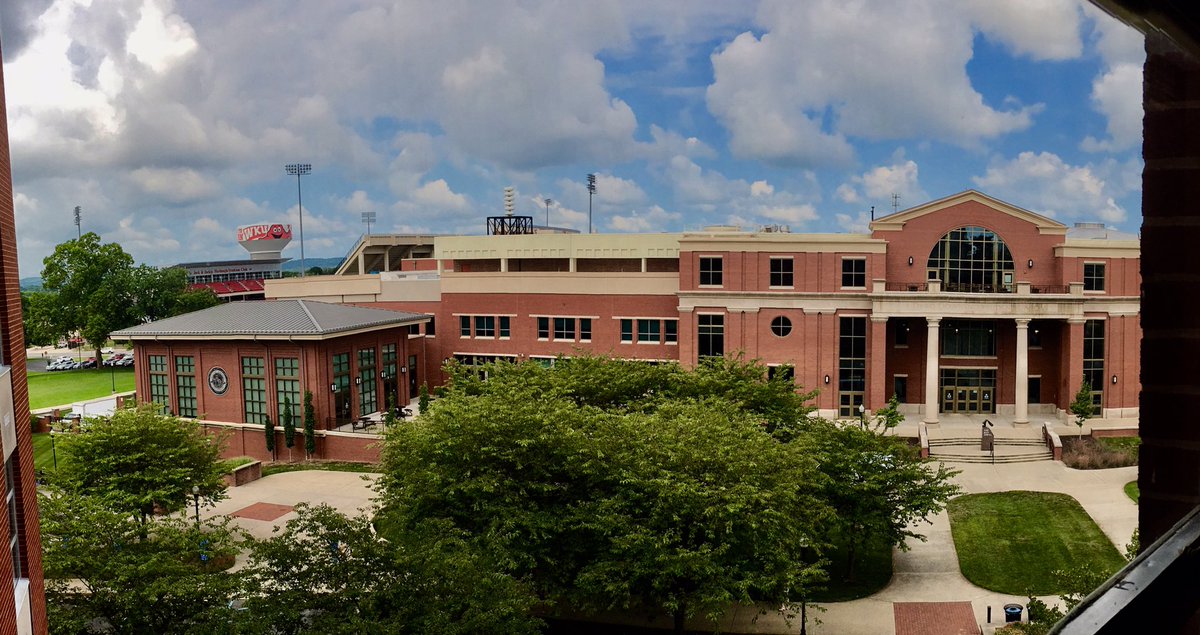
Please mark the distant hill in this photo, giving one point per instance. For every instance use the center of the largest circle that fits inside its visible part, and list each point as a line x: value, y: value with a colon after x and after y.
x: 309, y: 263
x: 35, y: 283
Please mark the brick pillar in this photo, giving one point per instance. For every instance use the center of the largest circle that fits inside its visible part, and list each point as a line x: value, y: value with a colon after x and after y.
x: 878, y: 392
x: 687, y: 337
x: 1169, y: 477
x: 1072, y: 348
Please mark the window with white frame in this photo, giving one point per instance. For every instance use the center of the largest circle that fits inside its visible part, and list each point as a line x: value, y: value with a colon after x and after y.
x: 711, y: 271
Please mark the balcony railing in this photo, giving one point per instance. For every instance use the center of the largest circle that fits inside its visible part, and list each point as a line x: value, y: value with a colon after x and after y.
x: 905, y: 286
x: 966, y: 287
x: 1049, y: 288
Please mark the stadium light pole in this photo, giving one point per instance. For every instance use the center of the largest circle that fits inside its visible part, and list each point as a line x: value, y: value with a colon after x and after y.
x: 591, y: 185
x: 547, y: 202
x: 78, y: 227
x: 368, y: 218
x: 299, y: 170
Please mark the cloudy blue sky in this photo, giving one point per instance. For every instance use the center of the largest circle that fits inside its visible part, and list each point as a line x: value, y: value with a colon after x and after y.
x: 170, y: 122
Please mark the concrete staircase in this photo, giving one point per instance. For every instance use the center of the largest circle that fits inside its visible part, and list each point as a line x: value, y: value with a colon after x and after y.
x: 1008, y: 450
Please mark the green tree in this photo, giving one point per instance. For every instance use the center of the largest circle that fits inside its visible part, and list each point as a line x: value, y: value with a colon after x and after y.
x: 878, y: 486
x: 423, y: 399
x: 617, y: 484
x: 106, y: 572
x: 310, y: 425
x: 37, y: 307
x: 137, y: 460
x: 1083, y: 407
x: 269, y: 429
x: 329, y: 573
x: 89, y: 281
x: 289, y: 426
x: 888, y: 417
x: 161, y: 293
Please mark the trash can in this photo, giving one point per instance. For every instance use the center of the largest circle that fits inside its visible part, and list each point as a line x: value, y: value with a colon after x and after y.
x: 1012, y: 613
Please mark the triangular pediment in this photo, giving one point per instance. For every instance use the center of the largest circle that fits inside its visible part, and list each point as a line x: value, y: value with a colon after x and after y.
x: 895, y: 222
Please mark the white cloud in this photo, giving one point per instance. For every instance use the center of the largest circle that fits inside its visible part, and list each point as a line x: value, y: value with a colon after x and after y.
x: 1044, y: 183
x: 761, y: 188
x: 858, y: 224
x: 881, y: 182
x: 827, y: 70
x: 1117, y: 90
x: 179, y: 185
x: 655, y: 219
x: 437, y: 194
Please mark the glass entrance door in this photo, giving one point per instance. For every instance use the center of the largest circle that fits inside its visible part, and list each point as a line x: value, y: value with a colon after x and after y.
x: 968, y: 390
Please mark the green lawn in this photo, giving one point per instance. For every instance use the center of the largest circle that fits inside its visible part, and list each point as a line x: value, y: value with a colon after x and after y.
x: 67, y: 386
x: 1012, y: 542
x: 1131, y: 490
x: 43, y: 458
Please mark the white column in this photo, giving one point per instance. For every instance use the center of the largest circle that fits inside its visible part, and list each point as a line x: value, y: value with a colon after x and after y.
x: 931, y: 371
x: 1022, y: 411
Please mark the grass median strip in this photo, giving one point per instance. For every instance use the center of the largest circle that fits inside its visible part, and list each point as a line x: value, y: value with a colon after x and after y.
x: 1013, y: 542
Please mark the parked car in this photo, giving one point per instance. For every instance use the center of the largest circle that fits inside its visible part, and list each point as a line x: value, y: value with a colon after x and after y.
x: 127, y: 360
x: 115, y: 360
x: 59, y: 364
x: 89, y: 363
x: 106, y: 351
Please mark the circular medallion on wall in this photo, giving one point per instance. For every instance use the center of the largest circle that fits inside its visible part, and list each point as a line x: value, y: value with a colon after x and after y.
x: 218, y: 381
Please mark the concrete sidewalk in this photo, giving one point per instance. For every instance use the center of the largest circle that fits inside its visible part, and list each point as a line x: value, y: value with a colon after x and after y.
x: 928, y: 572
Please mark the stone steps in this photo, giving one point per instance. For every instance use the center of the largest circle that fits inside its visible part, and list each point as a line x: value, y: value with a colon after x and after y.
x: 1024, y: 451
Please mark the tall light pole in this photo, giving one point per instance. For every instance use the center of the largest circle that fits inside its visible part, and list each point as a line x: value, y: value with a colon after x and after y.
x: 591, y: 185
x: 78, y: 227
x: 547, y: 202
x: 368, y: 218
x: 196, y: 498
x: 299, y: 170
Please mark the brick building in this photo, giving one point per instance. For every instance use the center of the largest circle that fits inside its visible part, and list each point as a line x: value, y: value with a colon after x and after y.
x: 966, y: 304
x: 240, y: 363
x: 21, y: 561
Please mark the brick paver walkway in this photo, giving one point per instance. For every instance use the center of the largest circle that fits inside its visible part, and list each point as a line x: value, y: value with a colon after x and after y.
x: 935, y: 618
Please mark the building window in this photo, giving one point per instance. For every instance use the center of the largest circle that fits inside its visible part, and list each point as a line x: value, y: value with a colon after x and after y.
x: 785, y: 372
x: 287, y: 386
x: 341, y: 387
x: 968, y: 338
x: 185, y: 386
x: 430, y: 329
x: 254, y: 390
x: 627, y: 331
x: 852, y: 364
x: 971, y: 259
x: 564, y: 328
x: 711, y: 272
x: 505, y: 324
x: 543, y: 328
x: 391, y: 381
x: 900, y: 388
x: 781, y: 326
x: 367, y: 401
x: 15, y: 530
x: 671, y: 331
x: 1093, y: 359
x: 485, y: 326
x: 854, y: 273
x: 585, y: 329
x: 648, y: 331
x: 414, y: 329
x: 160, y: 381
x: 464, y: 326
x: 781, y: 272
x: 1035, y: 335
x: 710, y: 335
x: 901, y: 333
x: 1093, y: 276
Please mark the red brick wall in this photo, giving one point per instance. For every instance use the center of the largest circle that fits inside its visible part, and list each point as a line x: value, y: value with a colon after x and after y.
x: 12, y: 346
x: 316, y: 374
x: 245, y: 440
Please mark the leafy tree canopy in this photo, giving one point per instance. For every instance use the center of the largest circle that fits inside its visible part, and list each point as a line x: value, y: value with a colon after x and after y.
x: 138, y: 459
x: 107, y: 572
x: 93, y: 289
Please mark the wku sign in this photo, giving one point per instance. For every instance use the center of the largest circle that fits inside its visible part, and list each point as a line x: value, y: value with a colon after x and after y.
x: 264, y: 232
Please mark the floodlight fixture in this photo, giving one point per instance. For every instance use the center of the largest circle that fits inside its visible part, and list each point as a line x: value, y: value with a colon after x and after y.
x: 298, y: 170
x: 591, y: 187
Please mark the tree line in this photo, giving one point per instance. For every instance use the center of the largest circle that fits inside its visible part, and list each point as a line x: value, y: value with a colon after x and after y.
x: 521, y: 493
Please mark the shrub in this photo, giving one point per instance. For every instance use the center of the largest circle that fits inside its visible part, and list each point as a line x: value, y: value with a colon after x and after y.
x: 1090, y: 454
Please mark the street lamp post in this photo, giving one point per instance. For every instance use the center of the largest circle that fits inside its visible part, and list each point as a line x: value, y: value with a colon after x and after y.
x: 862, y: 416
x: 196, y: 499
x: 53, y: 449
x: 298, y: 170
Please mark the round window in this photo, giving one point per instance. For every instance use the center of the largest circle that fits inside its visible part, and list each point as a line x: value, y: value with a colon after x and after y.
x: 781, y: 326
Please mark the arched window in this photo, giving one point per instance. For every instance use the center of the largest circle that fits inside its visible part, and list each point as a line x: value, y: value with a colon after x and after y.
x: 972, y: 259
